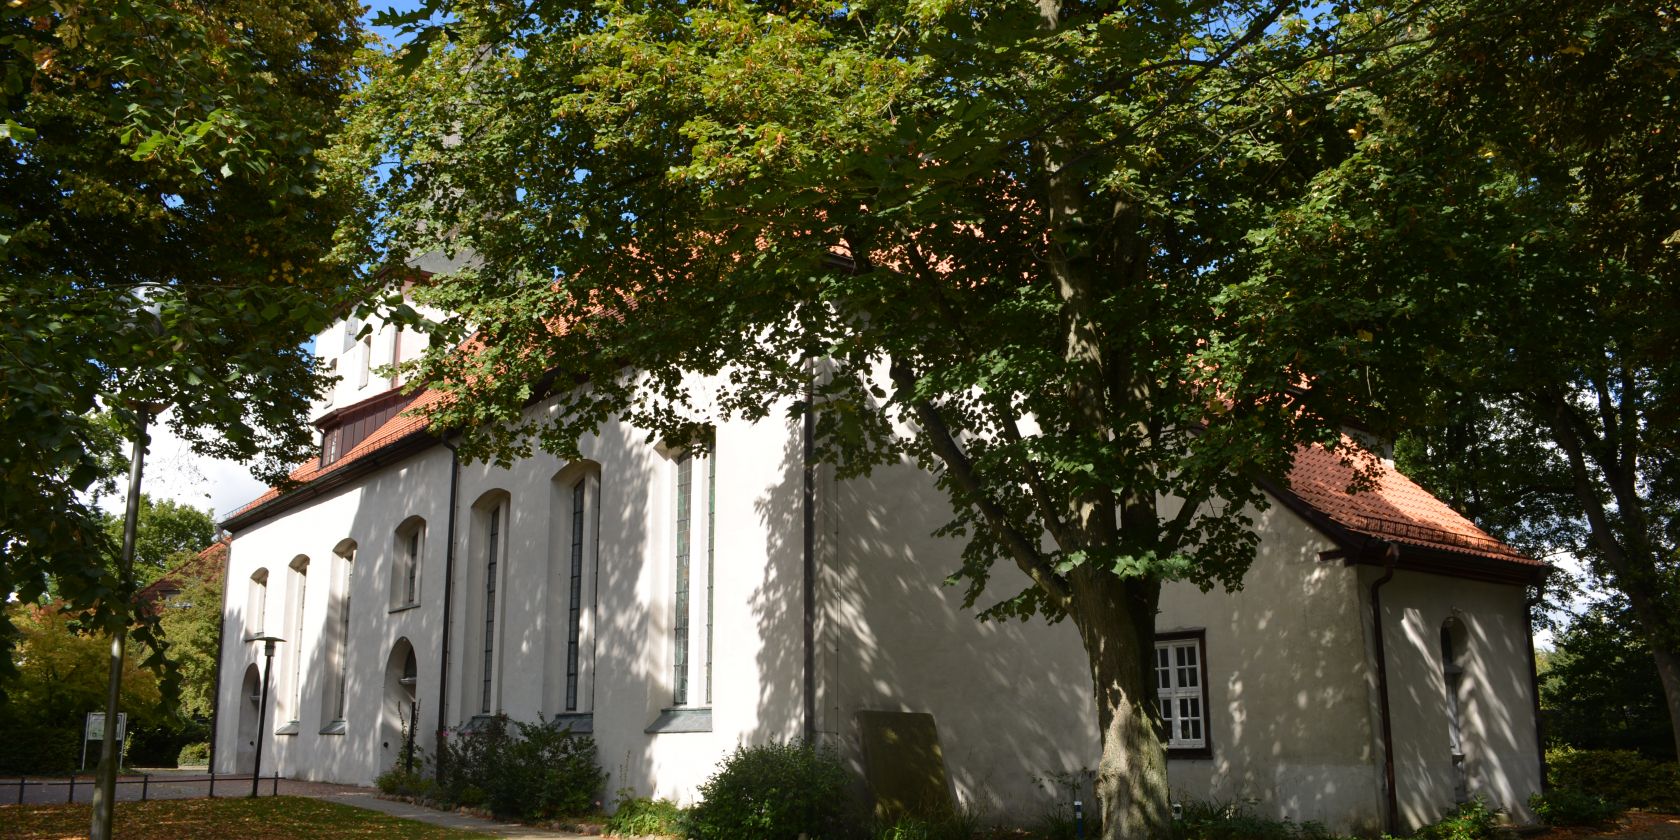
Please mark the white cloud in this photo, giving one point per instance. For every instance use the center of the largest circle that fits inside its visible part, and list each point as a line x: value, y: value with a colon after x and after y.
x: 173, y: 471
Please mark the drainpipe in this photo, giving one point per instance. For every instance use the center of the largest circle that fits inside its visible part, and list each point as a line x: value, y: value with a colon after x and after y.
x: 1391, y: 817
x: 448, y: 602
x: 808, y: 584
x: 1534, y: 684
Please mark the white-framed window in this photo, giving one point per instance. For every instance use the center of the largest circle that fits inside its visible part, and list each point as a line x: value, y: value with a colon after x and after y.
x: 1181, y: 689
x: 256, y: 603
x: 410, y: 552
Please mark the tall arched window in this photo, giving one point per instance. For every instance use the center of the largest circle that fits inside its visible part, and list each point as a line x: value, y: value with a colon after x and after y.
x: 691, y: 661
x: 574, y: 535
x: 295, y: 633
x: 332, y: 712
x: 488, y: 548
x: 492, y: 552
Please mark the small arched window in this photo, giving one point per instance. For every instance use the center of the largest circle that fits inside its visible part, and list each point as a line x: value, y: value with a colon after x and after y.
x: 405, y: 572
x: 256, y: 603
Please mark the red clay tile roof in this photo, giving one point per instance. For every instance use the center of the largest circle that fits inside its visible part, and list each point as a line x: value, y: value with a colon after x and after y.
x: 1397, y: 509
x: 406, y: 424
x: 208, y: 564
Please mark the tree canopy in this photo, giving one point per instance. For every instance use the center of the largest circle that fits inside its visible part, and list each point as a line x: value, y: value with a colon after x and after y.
x: 168, y: 533
x: 1509, y: 223
x: 166, y: 155
x: 1021, y: 244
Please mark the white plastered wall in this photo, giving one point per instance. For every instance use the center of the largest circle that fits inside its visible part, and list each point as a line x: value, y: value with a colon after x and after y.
x: 1290, y: 718
x: 367, y: 512
x: 1496, y: 698
x: 626, y: 647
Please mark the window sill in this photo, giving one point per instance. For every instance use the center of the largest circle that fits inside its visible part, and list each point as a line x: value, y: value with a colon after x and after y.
x: 682, y: 719
x: 1189, y: 753
x: 578, y: 723
x: 337, y: 727
x: 291, y: 727
x: 405, y: 607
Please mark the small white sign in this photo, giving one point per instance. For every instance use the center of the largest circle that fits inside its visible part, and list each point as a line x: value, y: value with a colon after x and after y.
x: 96, y: 726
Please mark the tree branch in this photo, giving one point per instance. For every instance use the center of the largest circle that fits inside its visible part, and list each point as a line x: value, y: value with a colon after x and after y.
x: 961, y: 471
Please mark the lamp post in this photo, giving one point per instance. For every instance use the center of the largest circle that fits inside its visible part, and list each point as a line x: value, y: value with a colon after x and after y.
x: 262, y: 705
x: 105, y: 787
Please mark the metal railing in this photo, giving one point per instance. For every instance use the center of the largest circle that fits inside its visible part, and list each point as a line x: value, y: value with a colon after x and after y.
x: 145, y: 781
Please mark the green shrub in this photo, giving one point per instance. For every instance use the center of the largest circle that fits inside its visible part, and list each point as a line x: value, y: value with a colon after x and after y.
x: 638, y: 816
x: 400, y: 781
x: 1562, y: 807
x: 960, y: 824
x: 773, y: 792
x: 530, y: 771
x: 40, y: 750
x: 1203, y: 820
x: 1472, y: 821
x: 1621, y: 776
x: 194, y: 754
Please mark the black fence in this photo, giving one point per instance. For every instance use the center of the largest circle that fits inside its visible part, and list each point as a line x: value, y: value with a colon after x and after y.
x: 86, y: 784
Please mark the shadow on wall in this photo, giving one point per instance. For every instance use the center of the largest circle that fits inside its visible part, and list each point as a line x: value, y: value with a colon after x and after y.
x: 397, y: 511
x: 777, y: 602
x: 1492, y: 699
x: 624, y: 685
x: 1011, y: 700
x: 1290, y: 690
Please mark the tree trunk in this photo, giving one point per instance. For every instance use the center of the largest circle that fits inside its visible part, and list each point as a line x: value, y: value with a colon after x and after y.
x: 1116, y: 621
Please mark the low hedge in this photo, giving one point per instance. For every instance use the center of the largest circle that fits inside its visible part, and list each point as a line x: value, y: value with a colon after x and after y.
x: 1623, y: 777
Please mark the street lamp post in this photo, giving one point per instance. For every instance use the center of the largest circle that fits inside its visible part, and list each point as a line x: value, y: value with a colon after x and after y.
x: 105, y: 787
x: 262, y: 705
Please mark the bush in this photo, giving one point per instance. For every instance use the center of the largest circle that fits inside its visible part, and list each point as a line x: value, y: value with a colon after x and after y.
x: 1620, y: 776
x: 40, y: 750
x: 530, y: 771
x: 194, y: 754
x: 1472, y: 821
x: 957, y: 825
x: 1564, y: 807
x: 398, y: 781
x: 639, y: 816
x: 1199, y: 820
x: 773, y: 792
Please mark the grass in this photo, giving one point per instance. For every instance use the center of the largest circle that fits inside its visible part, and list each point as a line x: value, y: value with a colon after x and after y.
x: 268, y: 818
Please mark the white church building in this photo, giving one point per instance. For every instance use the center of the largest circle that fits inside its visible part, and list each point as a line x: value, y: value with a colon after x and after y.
x: 1376, y: 664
